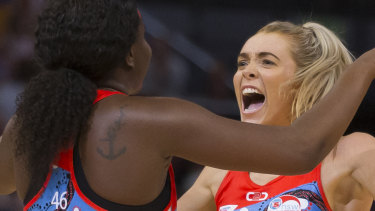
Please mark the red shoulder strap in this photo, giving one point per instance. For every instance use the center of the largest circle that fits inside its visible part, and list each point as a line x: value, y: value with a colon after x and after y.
x: 172, y: 206
x: 101, y: 94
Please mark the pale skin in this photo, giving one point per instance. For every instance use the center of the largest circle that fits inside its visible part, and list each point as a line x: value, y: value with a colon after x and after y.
x: 126, y: 152
x: 348, y: 170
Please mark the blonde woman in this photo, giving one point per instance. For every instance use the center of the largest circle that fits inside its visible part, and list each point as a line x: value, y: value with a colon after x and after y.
x: 282, y: 71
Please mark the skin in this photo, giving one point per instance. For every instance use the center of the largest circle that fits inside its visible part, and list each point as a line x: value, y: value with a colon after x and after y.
x: 347, y: 172
x: 265, y: 66
x: 126, y: 152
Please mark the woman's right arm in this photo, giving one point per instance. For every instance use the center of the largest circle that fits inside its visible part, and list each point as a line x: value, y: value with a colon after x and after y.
x: 193, y: 133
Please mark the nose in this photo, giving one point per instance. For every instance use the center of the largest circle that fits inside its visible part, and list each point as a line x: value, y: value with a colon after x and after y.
x: 250, y: 73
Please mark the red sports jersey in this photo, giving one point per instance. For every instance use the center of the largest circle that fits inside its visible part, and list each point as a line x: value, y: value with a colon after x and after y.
x: 63, y: 188
x: 238, y: 192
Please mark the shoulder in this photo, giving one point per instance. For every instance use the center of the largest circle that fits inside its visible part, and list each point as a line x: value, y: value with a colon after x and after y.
x: 9, y: 133
x: 360, y: 150
x: 155, y: 113
x: 168, y: 120
x: 213, y: 174
x: 208, y: 183
x: 133, y: 108
x: 7, y: 138
x: 212, y: 178
x: 351, y: 147
x: 7, y: 179
x: 356, y: 142
x: 146, y: 105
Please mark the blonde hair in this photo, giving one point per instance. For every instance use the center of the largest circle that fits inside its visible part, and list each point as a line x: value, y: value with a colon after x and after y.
x: 320, y: 57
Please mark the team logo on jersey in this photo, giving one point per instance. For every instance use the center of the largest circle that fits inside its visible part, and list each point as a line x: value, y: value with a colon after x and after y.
x: 288, y: 203
x: 228, y: 208
x: 256, y: 196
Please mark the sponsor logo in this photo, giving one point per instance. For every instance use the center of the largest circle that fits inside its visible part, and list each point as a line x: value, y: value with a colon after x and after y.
x: 228, y: 208
x: 276, y: 204
x: 288, y: 203
x: 256, y: 196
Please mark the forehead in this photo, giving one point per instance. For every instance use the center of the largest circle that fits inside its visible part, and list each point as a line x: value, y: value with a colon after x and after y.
x: 275, y: 43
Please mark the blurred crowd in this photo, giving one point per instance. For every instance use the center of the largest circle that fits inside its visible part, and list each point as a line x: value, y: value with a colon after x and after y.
x: 17, y: 23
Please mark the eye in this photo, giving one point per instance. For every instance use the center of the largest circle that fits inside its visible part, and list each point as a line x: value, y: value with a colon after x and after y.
x: 241, y: 63
x: 267, y: 62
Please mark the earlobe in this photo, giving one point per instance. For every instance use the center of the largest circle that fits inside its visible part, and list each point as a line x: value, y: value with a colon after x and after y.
x: 130, y: 60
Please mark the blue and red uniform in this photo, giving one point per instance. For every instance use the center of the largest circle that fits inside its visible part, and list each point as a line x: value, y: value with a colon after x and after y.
x: 238, y: 192
x: 66, y: 187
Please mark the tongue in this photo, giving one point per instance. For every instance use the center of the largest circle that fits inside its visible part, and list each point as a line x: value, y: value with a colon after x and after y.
x: 254, y: 106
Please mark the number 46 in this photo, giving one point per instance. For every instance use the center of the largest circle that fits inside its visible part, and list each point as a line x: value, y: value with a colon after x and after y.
x: 62, y: 203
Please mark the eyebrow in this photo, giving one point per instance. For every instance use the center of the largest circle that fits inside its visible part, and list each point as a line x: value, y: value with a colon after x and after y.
x: 263, y: 54
x: 260, y: 54
x: 244, y: 55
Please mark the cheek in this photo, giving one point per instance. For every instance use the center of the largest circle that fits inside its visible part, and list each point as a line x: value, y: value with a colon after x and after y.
x: 280, y: 101
x: 237, y: 79
x: 237, y: 82
x: 276, y: 81
x: 277, y: 88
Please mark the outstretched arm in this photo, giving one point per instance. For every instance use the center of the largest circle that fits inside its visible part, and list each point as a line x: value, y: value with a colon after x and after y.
x: 7, y: 182
x: 191, y: 132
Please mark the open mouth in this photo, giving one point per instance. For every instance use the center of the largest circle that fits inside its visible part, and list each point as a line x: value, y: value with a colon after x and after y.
x: 252, y: 100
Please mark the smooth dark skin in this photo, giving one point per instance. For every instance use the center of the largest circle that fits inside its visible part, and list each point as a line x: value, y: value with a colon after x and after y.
x: 127, y: 150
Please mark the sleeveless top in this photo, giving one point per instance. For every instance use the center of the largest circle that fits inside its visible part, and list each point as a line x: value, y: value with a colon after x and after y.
x: 293, y: 193
x: 66, y: 187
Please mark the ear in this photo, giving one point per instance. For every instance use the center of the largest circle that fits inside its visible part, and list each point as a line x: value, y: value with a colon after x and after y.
x: 130, y: 59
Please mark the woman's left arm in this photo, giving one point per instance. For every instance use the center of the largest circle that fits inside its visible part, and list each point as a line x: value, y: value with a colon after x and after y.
x: 364, y: 161
x: 7, y: 181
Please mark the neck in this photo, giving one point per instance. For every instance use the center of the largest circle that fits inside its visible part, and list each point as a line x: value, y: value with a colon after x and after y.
x: 113, y: 86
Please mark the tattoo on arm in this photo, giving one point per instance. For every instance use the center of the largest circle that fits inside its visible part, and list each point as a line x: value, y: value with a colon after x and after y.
x: 111, y: 138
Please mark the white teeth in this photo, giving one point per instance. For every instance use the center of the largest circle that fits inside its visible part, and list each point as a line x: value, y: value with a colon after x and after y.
x: 249, y: 91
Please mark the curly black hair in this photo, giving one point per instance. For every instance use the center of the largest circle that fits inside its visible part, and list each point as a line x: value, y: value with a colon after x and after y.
x: 78, y: 43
